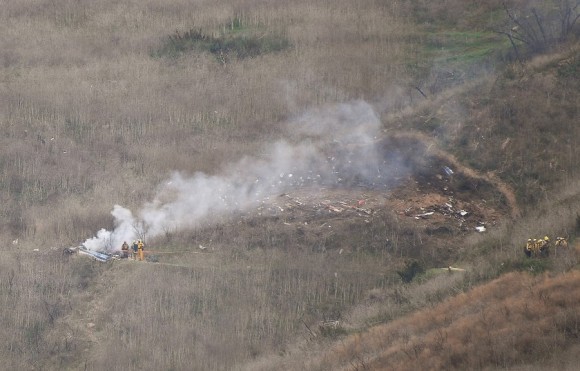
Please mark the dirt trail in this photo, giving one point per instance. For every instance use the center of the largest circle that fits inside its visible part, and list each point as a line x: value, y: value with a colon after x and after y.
x: 434, y: 149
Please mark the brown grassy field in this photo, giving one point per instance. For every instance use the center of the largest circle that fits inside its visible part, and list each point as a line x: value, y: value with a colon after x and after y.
x: 102, y: 102
x: 516, y: 320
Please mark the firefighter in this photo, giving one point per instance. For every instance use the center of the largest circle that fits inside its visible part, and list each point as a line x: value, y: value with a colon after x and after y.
x: 529, y: 248
x: 535, y: 247
x: 125, y: 250
x: 544, y: 247
x: 134, y: 248
x: 140, y: 248
x: 561, y: 242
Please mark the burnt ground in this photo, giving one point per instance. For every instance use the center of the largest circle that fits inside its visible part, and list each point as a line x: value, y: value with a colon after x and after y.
x: 423, y: 206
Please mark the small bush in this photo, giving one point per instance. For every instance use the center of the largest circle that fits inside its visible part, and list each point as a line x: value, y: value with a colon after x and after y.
x: 223, y: 47
x: 331, y: 330
x: 178, y: 43
x: 412, y: 268
x: 569, y: 68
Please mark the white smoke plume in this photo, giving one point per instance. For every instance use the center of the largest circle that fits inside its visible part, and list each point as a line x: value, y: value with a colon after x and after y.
x: 316, y: 153
x: 124, y: 231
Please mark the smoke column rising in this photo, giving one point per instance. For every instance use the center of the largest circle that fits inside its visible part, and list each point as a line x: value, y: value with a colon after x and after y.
x: 183, y: 202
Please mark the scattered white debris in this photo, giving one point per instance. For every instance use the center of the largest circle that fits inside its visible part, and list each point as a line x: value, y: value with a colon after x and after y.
x: 451, y: 269
x: 480, y: 228
x: 424, y: 215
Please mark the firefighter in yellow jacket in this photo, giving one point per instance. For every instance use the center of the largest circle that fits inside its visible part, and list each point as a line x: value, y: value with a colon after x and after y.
x: 140, y: 248
x: 544, y: 246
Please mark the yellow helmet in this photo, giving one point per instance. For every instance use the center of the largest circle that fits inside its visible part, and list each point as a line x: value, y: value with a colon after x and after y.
x: 546, y: 238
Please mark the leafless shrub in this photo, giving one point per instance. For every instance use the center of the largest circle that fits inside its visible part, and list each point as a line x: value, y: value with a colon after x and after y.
x: 539, y: 25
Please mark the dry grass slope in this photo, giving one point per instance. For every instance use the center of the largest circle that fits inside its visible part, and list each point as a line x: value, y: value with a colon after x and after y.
x: 515, y: 320
x: 91, y: 116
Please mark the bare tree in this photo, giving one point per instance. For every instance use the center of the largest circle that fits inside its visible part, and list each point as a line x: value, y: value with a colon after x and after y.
x: 569, y: 14
x: 537, y: 29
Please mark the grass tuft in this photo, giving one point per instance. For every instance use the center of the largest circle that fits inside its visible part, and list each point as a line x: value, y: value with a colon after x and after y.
x: 235, y: 41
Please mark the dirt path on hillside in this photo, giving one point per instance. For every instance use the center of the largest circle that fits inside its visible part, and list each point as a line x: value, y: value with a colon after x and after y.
x: 434, y: 149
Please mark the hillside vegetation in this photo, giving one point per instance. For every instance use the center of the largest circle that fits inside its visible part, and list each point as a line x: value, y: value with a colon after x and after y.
x: 310, y: 171
x: 517, y: 320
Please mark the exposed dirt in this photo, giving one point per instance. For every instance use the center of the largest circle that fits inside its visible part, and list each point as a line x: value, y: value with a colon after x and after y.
x: 434, y: 196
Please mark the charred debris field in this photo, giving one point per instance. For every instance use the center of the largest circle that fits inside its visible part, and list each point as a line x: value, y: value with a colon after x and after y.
x: 418, y: 199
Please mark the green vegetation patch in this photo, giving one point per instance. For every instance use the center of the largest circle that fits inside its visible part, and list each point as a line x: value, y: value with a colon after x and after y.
x: 412, y: 268
x: 463, y: 48
x: 234, y: 41
x: 440, y: 58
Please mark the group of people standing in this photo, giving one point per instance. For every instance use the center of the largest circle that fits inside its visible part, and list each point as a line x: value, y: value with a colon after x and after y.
x: 136, y: 249
x: 541, y: 247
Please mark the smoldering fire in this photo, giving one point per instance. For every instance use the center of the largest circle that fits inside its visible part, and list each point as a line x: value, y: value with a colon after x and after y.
x: 315, y: 153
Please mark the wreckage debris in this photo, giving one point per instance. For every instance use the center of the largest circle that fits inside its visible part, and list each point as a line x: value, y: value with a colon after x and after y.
x: 453, y: 269
x: 70, y: 250
x: 81, y: 250
x: 99, y: 256
x: 448, y: 210
x: 424, y: 215
x: 448, y: 170
x: 269, y: 206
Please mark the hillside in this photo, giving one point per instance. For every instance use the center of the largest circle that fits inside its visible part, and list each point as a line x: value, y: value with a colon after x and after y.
x: 514, y: 322
x: 320, y: 184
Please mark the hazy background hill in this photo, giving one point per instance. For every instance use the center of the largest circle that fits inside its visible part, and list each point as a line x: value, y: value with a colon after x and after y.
x: 102, y: 101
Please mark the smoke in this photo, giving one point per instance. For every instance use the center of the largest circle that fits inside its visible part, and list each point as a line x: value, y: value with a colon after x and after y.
x: 331, y: 146
x: 125, y: 230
